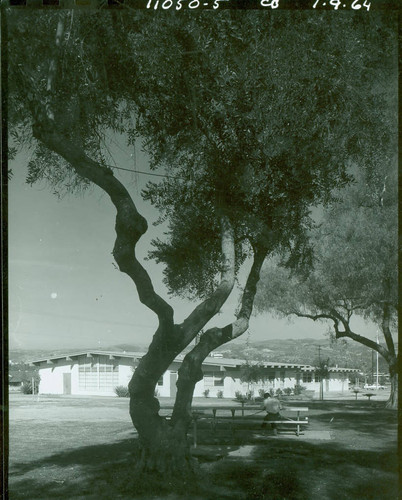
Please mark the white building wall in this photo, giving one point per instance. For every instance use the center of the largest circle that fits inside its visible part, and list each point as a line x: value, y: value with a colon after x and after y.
x: 164, y: 389
x: 51, y: 378
x: 51, y: 381
x: 126, y: 370
x: 199, y: 389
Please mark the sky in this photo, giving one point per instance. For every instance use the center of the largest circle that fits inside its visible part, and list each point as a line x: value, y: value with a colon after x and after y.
x: 65, y: 290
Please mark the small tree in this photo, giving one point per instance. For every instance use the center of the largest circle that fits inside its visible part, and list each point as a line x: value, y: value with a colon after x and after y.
x: 252, y: 373
x: 321, y: 372
x: 354, y: 270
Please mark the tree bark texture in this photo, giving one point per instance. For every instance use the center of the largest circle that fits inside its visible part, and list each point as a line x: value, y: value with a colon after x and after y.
x: 392, y: 402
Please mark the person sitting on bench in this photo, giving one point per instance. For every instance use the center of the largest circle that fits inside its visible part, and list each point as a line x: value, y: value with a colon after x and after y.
x: 272, y: 407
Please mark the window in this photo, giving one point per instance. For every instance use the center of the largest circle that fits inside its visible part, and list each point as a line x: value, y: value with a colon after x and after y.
x: 213, y: 379
x: 98, y: 373
x: 307, y: 377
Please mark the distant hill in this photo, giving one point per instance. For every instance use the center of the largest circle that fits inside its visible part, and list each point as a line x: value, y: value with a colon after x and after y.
x: 344, y: 353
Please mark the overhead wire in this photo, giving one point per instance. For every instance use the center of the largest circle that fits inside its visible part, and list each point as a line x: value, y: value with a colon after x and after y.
x: 146, y: 173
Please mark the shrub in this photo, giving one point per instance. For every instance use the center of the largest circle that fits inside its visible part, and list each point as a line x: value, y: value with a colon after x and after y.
x: 278, y: 392
x: 272, y: 392
x: 206, y: 393
x: 287, y: 391
x: 122, y: 391
x: 26, y: 388
x: 219, y: 394
x: 240, y: 397
x: 261, y: 392
x: 250, y: 395
x: 298, y: 389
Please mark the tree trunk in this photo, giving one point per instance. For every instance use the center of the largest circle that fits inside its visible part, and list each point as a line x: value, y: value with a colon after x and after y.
x: 164, y: 449
x: 392, y: 402
x: 163, y: 443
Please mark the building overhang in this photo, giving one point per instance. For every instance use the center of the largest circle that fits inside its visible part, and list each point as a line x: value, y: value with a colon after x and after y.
x: 221, y: 364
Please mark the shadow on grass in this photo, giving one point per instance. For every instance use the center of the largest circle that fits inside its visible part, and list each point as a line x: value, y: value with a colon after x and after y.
x: 274, y: 470
x: 325, y: 470
x: 108, y: 471
x: 381, y: 424
x: 285, y: 469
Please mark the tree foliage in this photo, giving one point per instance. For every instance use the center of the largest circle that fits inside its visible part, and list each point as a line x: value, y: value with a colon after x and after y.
x: 253, y: 372
x: 355, y: 258
x: 254, y: 115
x: 355, y: 265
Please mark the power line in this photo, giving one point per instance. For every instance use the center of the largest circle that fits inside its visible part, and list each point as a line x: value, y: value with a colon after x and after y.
x: 146, y: 173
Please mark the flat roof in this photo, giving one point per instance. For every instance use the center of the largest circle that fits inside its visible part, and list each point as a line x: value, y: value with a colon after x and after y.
x: 208, y: 361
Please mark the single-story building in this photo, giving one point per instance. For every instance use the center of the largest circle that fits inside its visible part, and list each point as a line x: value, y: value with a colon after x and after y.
x: 15, y: 381
x: 100, y: 372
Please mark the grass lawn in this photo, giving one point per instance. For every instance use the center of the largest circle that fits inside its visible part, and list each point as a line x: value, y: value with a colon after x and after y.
x: 84, y: 448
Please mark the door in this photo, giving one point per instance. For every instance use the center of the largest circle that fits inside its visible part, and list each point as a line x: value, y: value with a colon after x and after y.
x: 66, y: 383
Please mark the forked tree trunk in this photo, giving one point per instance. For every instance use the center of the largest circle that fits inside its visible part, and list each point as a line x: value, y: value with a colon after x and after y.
x: 163, y: 445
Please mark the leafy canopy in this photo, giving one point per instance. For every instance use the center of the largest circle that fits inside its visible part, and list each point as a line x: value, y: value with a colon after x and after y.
x: 355, y: 256
x: 254, y: 115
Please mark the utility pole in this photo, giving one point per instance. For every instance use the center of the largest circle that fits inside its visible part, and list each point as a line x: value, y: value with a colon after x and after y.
x: 376, y: 382
x: 372, y: 366
x: 321, y: 377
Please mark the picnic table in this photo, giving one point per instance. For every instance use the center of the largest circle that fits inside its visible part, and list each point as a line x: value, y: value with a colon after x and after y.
x: 294, y: 421
x: 369, y: 394
x: 247, y: 412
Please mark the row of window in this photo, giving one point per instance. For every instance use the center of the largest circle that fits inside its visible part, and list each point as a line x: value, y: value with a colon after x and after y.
x: 310, y: 377
x: 210, y: 380
x: 98, y: 373
x: 216, y: 380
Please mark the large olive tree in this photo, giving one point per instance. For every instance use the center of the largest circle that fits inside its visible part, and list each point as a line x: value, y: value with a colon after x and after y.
x: 253, y: 117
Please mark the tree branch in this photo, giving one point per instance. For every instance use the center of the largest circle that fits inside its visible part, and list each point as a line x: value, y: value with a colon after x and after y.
x: 215, y: 337
x: 200, y: 316
x: 347, y: 332
x: 243, y: 318
x: 130, y: 224
x: 365, y: 341
x: 190, y: 371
